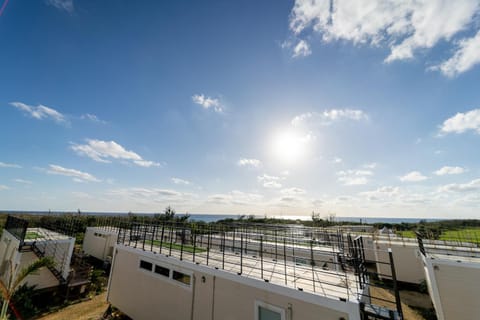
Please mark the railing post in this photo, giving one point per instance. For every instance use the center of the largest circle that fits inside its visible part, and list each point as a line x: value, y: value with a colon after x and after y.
x: 312, y: 263
x: 261, y: 254
x: 161, y: 239
x: 395, y: 287
x: 285, y: 259
x: 241, y: 253
x: 208, y: 242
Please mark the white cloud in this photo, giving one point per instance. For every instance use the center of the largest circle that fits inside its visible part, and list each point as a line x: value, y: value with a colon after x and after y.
x: 466, y: 56
x: 102, y: 151
x: 41, y: 112
x: 449, y: 170
x: 270, y: 182
x: 207, y: 102
x: 462, y: 122
x: 81, y: 195
x: 151, y: 195
x: 293, y: 191
x: 414, y: 176
x: 78, y: 176
x: 181, y: 181
x: 236, y: 197
x: 381, y: 193
x: 9, y: 165
x: 329, y: 116
x: 473, y: 185
x: 23, y: 181
x: 371, y: 165
x: 2, y: 187
x: 404, y: 26
x: 244, y: 162
x: 92, y: 117
x: 337, y: 160
x: 301, y: 49
x: 354, y: 177
x: 66, y: 5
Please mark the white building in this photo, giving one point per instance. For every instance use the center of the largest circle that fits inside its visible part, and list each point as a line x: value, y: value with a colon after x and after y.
x: 453, y: 279
x: 174, y: 272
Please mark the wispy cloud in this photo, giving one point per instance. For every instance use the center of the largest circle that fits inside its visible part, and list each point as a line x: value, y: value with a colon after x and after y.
x: 3, y: 187
x: 41, y: 112
x: 473, y: 185
x: 254, y: 163
x: 66, y: 5
x: 103, y: 151
x: 270, y: 182
x: 207, y: 102
x: 151, y: 195
x: 406, y: 27
x: 462, y: 122
x: 327, y: 117
x: 466, y: 56
x: 9, y: 165
x: 354, y: 177
x: 235, y: 197
x: 447, y: 170
x: 414, y: 176
x: 301, y: 49
x: 382, y: 193
x: 78, y: 176
x: 181, y: 181
x: 293, y: 191
x: 92, y: 118
x: 23, y: 181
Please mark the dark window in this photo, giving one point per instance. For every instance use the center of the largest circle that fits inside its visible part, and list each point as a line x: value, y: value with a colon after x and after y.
x: 146, y: 265
x: 162, y: 270
x: 181, y: 277
x: 266, y: 314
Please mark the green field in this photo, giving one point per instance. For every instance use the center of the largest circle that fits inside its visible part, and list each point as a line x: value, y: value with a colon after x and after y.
x: 463, y: 235
x: 32, y: 235
x: 176, y: 246
x: 407, y: 234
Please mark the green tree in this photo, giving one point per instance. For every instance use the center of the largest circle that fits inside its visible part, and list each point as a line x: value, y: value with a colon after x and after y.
x: 169, y: 213
x: 16, y: 277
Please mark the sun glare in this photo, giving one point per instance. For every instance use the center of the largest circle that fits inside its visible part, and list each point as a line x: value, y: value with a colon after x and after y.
x: 288, y: 147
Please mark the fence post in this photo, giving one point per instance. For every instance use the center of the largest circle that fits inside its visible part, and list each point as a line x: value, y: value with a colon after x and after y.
x: 395, y: 287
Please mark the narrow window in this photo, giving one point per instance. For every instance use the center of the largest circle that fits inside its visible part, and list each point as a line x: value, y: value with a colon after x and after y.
x: 267, y: 314
x: 162, y: 271
x: 181, y: 277
x: 146, y: 265
x: 265, y: 311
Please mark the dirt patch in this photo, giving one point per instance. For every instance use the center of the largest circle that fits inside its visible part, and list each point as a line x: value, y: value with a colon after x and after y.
x: 416, y: 299
x: 89, y: 310
x: 408, y: 313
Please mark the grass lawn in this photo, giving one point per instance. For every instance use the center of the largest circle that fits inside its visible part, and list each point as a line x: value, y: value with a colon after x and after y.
x: 32, y: 235
x: 407, y: 234
x: 176, y: 246
x: 464, y: 235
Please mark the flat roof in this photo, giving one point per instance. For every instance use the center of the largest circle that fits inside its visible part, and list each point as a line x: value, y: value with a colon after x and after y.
x: 42, y: 234
x: 316, y: 280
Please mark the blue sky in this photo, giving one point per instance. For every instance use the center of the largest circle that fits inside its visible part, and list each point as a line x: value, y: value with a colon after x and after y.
x: 248, y: 107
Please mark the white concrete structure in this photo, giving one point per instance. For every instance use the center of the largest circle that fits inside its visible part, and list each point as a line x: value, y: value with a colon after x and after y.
x: 453, y: 279
x: 99, y: 242
x: 172, y: 272
x: 16, y: 255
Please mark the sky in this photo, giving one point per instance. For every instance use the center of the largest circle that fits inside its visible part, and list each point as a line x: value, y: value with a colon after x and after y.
x: 368, y: 108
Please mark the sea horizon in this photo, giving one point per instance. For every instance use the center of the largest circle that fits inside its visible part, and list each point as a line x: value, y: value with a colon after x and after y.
x: 212, y: 217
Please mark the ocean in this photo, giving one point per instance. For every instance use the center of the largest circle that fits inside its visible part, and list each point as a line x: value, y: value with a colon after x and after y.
x: 216, y: 217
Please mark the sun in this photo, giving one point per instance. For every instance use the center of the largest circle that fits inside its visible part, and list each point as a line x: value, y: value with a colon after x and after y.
x: 288, y: 147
